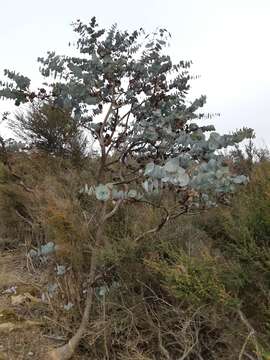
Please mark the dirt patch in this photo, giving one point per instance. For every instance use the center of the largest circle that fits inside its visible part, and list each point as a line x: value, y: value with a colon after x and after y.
x: 22, y: 320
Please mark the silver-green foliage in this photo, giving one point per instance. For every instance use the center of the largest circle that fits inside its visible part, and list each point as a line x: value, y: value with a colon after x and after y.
x: 126, y: 91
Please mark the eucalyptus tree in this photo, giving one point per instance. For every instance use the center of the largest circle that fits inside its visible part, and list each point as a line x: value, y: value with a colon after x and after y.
x: 125, y: 90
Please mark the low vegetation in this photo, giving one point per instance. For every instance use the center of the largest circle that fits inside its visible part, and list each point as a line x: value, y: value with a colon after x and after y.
x: 199, y: 291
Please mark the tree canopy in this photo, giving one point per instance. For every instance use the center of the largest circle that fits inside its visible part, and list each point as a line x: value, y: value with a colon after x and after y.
x: 126, y: 91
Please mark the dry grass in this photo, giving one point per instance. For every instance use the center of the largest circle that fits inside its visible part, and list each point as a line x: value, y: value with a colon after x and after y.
x: 164, y: 296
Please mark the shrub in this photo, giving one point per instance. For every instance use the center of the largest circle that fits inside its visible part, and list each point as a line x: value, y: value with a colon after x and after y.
x: 50, y: 129
x: 242, y: 233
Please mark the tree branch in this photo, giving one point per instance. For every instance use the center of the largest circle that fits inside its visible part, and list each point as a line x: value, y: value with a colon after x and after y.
x: 111, y: 213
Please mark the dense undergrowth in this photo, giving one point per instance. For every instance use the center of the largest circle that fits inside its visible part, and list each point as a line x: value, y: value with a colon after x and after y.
x: 198, y: 289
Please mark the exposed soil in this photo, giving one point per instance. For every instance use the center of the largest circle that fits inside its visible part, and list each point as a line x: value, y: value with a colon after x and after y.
x: 21, y: 311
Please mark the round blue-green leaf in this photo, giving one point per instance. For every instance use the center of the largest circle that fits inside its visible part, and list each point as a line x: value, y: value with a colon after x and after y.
x: 102, y: 192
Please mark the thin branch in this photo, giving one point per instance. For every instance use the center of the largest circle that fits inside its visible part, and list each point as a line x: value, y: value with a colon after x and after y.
x: 251, y: 335
x: 101, y: 142
x: 127, y: 181
x: 244, y: 345
x: 164, y: 221
x: 114, y: 161
x: 106, y: 117
x: 189, y: 350
x: 113, y: 131
x: 24, y: 219
x: 111, y: 213
x: 180, y: 213
x: 154, y: 230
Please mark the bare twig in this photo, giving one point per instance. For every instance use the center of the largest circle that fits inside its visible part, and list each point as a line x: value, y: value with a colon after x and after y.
x: 111, y: 213
x: 153, y: 230
x: 251, y: 336
x: 24, y: 219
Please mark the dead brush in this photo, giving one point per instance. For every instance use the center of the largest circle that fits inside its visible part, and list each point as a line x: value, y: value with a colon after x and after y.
x: 128, y: 325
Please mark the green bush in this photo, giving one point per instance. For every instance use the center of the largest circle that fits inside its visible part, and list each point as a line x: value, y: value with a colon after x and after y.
x: 52, y: 130
x: 242, y: 234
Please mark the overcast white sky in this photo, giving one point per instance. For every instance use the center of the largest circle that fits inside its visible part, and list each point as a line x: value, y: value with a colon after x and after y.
x: 228, y: 41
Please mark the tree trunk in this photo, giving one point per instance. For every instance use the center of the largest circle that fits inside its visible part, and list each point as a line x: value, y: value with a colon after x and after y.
x: 66, y: 351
